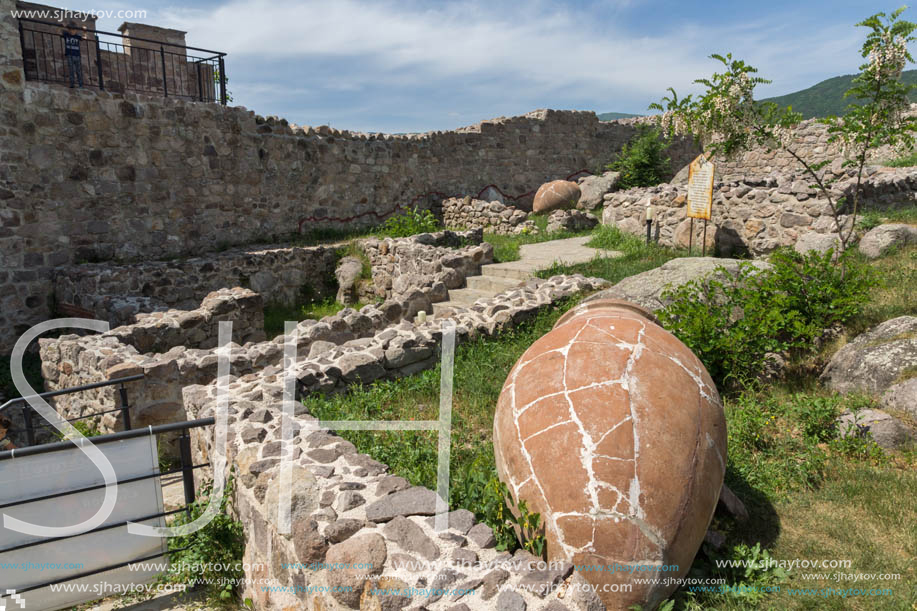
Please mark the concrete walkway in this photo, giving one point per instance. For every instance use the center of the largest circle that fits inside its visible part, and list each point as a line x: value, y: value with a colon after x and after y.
x: 498, y: 277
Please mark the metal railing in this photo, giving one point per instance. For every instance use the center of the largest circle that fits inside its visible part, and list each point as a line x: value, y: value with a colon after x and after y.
x: 186, y: 469
x: 134, y: 64
x: 28, y: 413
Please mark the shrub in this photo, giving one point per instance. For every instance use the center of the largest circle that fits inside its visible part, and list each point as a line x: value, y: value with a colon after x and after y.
x: 641, y: 162
x: 732, y: 321
x: 408, y: 223
x: 213, y: 554
x: 822, y: 292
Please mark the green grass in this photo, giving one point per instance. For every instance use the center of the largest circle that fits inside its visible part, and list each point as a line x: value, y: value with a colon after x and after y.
x: 905, y: 161
x: 873, y: 218
x: 895, y: 296
x: 638, y: 256
x: 412, y: 454
x: 809, y: 495
x: 275, y: 315
x: 506, y: 247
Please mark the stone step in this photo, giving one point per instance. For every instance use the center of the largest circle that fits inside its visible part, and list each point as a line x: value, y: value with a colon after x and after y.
x: 497, y: 284
x: 469, y: 296
x: 513, y: 269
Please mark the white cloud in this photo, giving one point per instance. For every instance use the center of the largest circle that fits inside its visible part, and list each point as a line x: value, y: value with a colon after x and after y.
x: 541, y: 45
x: 488, y: 57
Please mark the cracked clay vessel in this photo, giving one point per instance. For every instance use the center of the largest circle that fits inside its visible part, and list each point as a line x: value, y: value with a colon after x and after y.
x: 612, y: 429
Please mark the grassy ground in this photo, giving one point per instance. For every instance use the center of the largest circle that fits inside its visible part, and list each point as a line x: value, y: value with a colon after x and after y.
x: 638, y: 256
x: 275, y: 315
x: 506, y: 247
x: 896, y: 294
x: 413, y: 454
x: 874, y: 218
x: 810, y: 496
x: 904, y: 161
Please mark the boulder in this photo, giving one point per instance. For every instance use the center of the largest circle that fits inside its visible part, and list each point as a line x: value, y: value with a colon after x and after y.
x: 611, y: 429
x: 819, y: 242
x: 348, y: 274
x: 902, y: 397
x: 879, y: 240
x: 556, y: 194
x: 681, y: 176
x: 683, y: 233
x: 492, y: 194
x: 570, y: 220
x: 646, y: 288
x: 888, y: 432
x: 626, y: 224
x: 875, y: 360
x: 594, y: 188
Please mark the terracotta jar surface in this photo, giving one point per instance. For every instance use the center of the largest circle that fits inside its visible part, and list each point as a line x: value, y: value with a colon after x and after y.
x: 612, y: 429
x: 556, y: 195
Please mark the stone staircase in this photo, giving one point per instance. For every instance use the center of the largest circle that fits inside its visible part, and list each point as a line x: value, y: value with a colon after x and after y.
x: 498, y: 277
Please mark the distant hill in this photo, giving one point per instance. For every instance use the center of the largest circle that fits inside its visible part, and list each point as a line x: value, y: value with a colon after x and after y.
x: 827, y: 97
x: 611, y: 116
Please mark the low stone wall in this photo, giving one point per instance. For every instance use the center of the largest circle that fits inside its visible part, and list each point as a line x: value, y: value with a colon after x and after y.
x: 116, y: 293
x: 174, y: 349
x: 169, y: 348
x: 754, y: 216
x: 493, y: 217
x: 429, y: 263
x: 347, y: 509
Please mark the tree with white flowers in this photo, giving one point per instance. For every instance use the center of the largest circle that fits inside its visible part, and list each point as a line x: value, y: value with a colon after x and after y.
x: 726, y: 119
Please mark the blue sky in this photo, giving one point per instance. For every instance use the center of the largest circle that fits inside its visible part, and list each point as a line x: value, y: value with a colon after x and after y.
x: 379, y: 65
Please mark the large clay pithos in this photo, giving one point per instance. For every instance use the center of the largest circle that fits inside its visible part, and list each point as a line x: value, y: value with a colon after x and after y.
x: 612, y: 429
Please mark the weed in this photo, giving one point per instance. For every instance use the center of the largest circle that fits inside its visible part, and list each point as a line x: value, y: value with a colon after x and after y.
x: 408, y: 223
x: 213, y: 554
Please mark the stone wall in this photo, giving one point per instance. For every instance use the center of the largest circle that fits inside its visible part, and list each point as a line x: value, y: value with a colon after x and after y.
x: 493, y: 217
x: 93, y: 176
x: 175, y: 348
x: 754, y: 216
x: 170, y: 348
x: 116, y: 293
x: 346, y: 508
x: 810, y: 139
x: 431, y: 263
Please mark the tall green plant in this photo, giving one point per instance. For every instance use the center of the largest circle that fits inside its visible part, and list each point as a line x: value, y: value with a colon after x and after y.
x: 731, y: 321
x: 726, y: 119
x: 408, y: 223
x: 642, y: 162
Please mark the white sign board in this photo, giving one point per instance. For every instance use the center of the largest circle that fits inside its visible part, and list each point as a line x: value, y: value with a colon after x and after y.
x: 65, y: 470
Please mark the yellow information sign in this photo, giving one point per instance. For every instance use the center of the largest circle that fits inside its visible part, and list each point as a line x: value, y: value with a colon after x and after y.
x: 700, y: 188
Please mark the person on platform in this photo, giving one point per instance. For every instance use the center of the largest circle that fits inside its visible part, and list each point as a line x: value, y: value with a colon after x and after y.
x: 72, y: 38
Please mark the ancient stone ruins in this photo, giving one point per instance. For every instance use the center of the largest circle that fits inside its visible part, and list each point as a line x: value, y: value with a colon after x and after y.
x: 166, y: 218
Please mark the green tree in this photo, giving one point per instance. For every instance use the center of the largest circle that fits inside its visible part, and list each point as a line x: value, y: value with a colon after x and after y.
x: 641, y: 161
x: 726, y: 119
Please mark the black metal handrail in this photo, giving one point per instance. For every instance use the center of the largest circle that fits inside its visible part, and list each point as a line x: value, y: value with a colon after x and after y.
x: 186, y: 469
x: 168, y: 70
x: 28, y: 412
